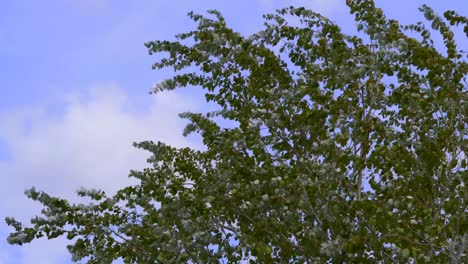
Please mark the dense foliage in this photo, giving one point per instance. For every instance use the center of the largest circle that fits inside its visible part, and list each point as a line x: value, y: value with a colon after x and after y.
x: 336, y: 148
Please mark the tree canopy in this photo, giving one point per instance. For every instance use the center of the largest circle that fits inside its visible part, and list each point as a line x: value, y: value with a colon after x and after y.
x: 338, y: 149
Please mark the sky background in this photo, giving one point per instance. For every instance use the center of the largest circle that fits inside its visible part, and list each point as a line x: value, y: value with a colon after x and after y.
x: 74, y: 83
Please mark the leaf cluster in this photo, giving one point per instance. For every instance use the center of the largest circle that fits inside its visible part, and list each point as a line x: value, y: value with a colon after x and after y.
x: 340, y: 149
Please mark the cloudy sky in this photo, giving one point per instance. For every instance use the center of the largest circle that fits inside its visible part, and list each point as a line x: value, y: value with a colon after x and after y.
x: 74, y: 82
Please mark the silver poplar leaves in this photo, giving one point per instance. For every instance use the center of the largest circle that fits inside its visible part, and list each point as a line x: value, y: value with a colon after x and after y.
x: 339, y: 149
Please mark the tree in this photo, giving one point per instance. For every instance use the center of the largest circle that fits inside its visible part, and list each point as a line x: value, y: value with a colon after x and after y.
x: 340, y: 149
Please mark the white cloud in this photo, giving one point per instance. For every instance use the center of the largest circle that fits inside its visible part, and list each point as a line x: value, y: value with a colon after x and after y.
x: 88, y: 144
x: 323, y: 6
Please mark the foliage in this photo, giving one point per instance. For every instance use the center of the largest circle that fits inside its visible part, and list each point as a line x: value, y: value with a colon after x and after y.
x: 341, y: 149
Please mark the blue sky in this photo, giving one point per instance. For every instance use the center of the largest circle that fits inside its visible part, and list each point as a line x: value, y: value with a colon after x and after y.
x: 74, y: 82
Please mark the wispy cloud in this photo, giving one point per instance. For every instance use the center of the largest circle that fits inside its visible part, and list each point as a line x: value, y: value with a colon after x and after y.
x: 88, y: 144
